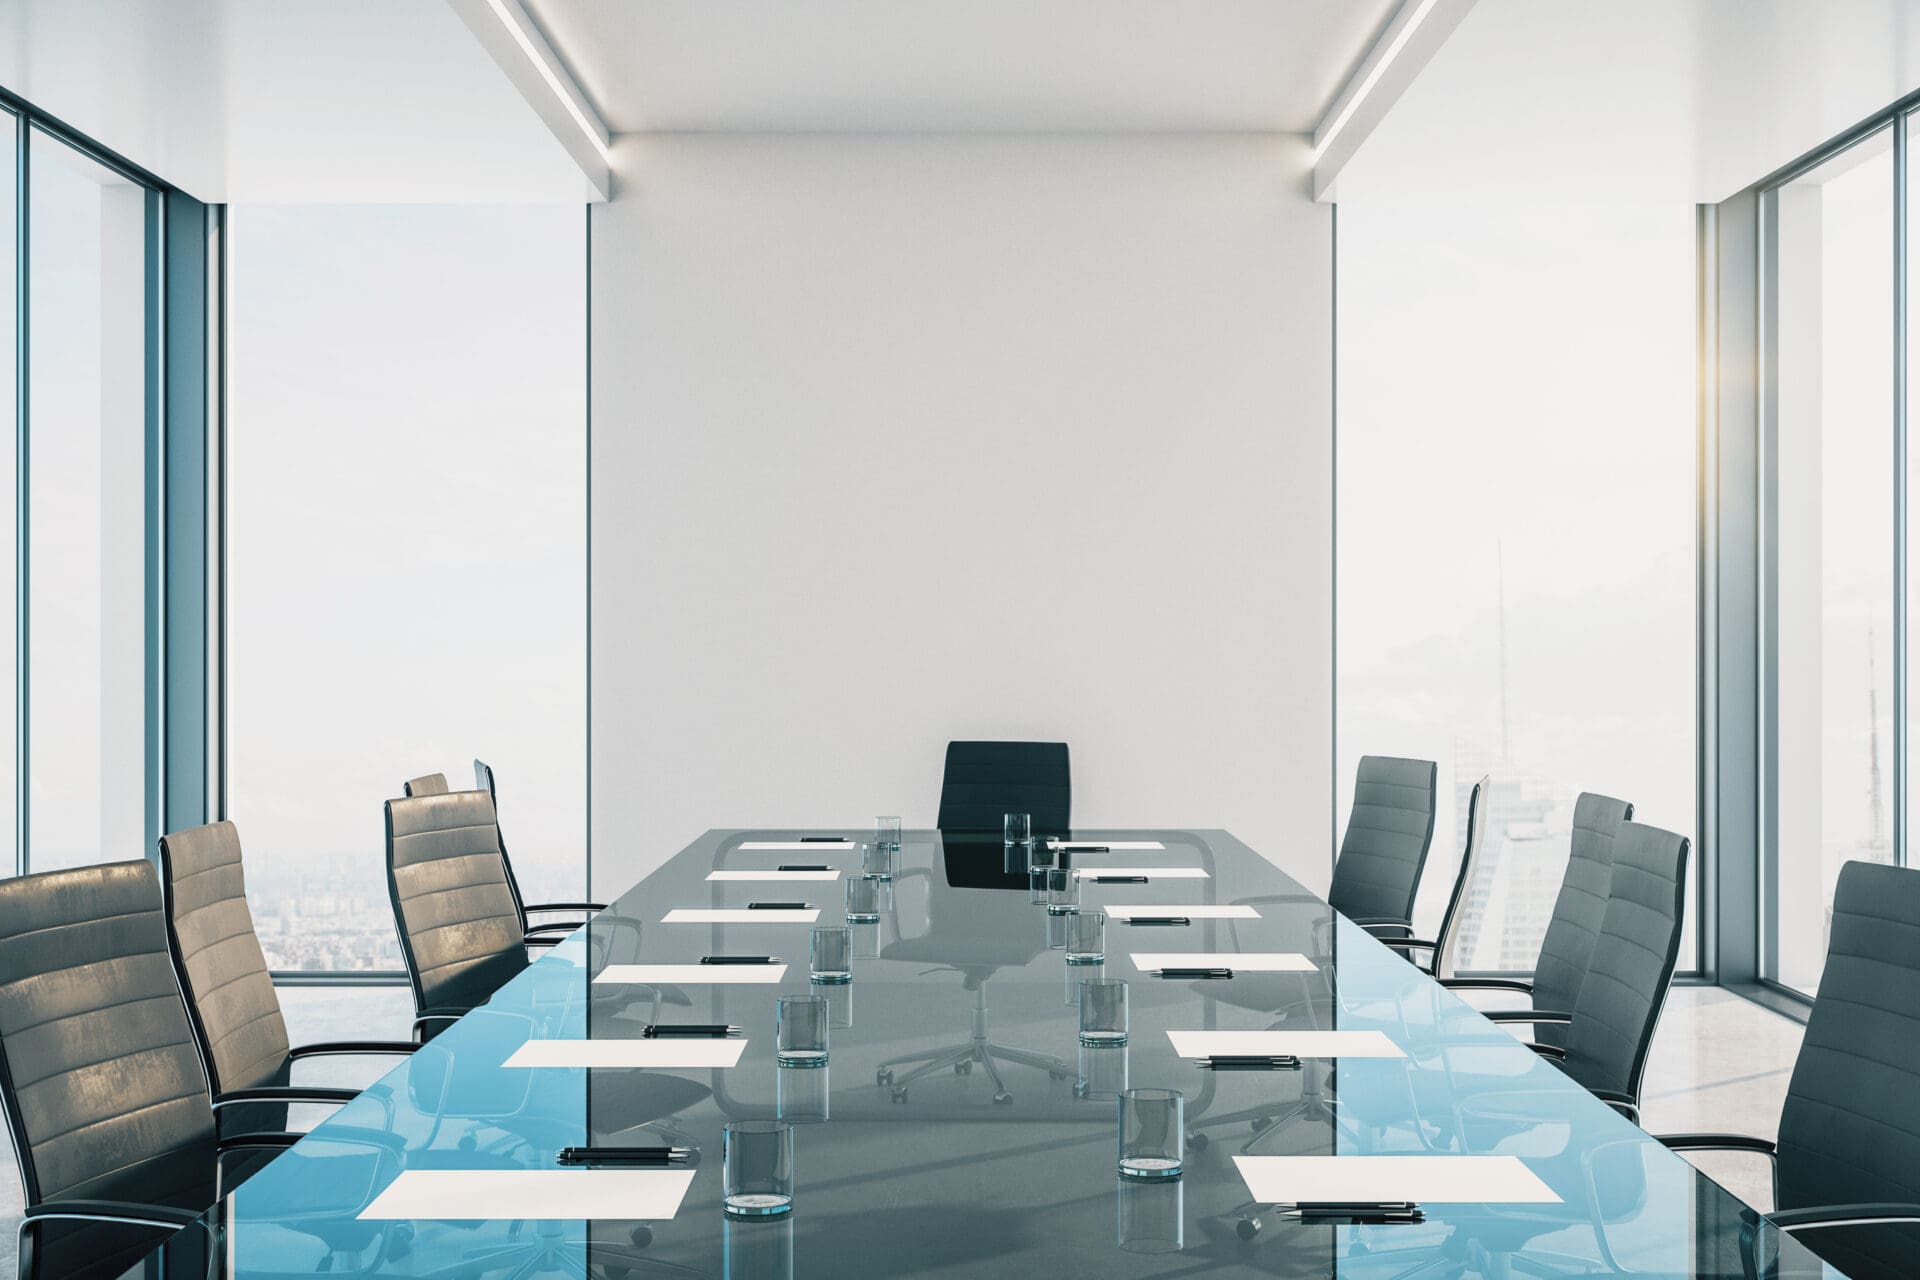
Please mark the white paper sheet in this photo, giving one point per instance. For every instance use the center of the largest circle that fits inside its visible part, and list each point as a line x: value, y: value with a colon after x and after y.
x: 796, y: 846
x: 628, y: 1053
x: 739, y: 915
x: 1428, y: 1180
x: 532, y: 1194
x: 1115, y: 846
x: 773, y: 875
x: 693, y: 974
x: 1152, y: 873
x: 1191, y: 910
x: 1300, y: 1044
x: 1238, y: 961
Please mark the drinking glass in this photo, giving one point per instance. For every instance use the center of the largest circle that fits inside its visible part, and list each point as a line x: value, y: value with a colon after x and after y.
x: 1087, y: 937
x: 1103, y: 1071
x: 886, y: 833
x: 800, y: 1032
x: 876, y: 861
x: 1152, y: 1215
x: 760, y: 1248
x: 1063, y: 891
x: 1152, y: 1133
x: 863, y: 899
x: 1037, y: 886
x: 800, y: 1096
x: 1103, y: 1011
x: 831, y: 952
x: 757, y: 1179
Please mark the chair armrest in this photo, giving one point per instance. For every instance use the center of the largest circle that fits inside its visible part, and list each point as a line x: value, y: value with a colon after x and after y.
x: 1526, y: 1015
x: 284, y: 1093
x: 1371, y: 923
x: 125, y: 1211
x: 1845, y: 1215
x: 236, y: 1141
x: 1409, y: 944
x: 447, y: 1014
x: 1551, y: 1052
x: 1626, y: 1104
x: 351, y: 1048
x: 1718, y: 1142
x: 557, y: 926
x: 564, y: 906
x: 1488, y: 984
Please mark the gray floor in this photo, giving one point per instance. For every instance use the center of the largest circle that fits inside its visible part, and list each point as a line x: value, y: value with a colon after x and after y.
x: 1720, y: 1063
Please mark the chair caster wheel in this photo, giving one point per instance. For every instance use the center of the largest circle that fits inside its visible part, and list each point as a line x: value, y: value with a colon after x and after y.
x: 963, y: 1068
x: 899, y: 1095
x: 1247, y: 1228
x: 1261, y: 1123
x: 884, y: 1076
x: 1002, y: 1098
x: 641, y: 1235
x: 1198, y: 1141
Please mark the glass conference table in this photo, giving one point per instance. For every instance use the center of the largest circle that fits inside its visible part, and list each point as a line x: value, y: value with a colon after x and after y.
x: 945, y: 1174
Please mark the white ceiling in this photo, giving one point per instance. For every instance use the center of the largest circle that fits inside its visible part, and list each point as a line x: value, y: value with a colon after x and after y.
x: 288, y: 100
x: 938, y: 65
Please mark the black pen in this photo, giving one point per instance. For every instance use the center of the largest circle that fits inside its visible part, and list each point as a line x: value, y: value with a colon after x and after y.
x: 1250, y: 1062
x: 1166, y: 920
x: 776, y: 906
x: 1196, y: 973
x: 823, y: 840
x: 1086, y: 848
x: 805, y: 866
x: 622, y: 1155
x: 1119, y: 879
x: 1366, y: 1214
x: 739, y: 959
x: 688, y: 1031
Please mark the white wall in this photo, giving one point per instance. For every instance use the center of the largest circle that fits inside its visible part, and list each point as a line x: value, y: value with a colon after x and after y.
x: 902, y: 439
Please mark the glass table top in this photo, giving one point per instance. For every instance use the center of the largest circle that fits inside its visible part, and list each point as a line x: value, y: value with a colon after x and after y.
x: 947, y: 1172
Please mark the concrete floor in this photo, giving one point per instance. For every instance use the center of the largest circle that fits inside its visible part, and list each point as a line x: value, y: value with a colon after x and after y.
x: 1720, y: 1064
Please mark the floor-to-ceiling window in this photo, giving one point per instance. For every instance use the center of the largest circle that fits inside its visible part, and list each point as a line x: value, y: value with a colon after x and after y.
x: 1516, y: 535
x: 1833, y: 538
x: 406, y: 548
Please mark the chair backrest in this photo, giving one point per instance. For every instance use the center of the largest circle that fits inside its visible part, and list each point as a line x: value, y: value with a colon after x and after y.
x: 1850, y: 1128
x: 459, y: 928
x: 231, y: 1003
x: 428, y: 784
x: 1447, y: 938
x: 99, y: 1072
x: 1388, y: 834
x: 985, y: 781
x: 1575, y: 923
x: 1631, y: 967
x: 483, y: 780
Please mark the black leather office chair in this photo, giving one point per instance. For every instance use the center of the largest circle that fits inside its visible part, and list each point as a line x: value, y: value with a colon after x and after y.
x: 985, y: 781
x: 231, y: 1001
x: 106, y: 1100
x: 535, y: 934
x: 1611, y: 1023
x: 1443, y: 948
x: 1847, y: 1163
x: 1377, y: 875
x: 1567, y: 947
x: 978, y: 921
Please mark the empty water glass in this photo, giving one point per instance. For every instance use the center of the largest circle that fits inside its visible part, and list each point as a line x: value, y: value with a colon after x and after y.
x: 1152, y: 1215
x: 1103, y: 1011
x: 800, y: 1031
x: 1017, y: 829
x: 876, y: 861
x: 863, y: 899
x: 1087, y: 937
x: 757, y: 1174
x: 1063, y: 891
x: 830, y: 951
x: 1152, y: 1133
x: 886, y: 833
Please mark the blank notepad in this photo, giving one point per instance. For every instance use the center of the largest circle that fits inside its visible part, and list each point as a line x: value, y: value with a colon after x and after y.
x: 622, y: 1054
x: 1427, y: 1180
x: 698, y: 915
x: 1191, y: 910
x: 531, y: 1194
x: 796, y: 846
x: 693, y: 974
x: 1238, y: 961
x: 1300, y: 1044
x: 1152, y: 873
x: 773, y: 875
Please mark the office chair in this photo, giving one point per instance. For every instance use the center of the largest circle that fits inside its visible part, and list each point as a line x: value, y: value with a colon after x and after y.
x: 1567, y: 947
x: 232, y: 1005
x: 1377, y: 875
x: 435, y: 784
x: 985, y: 781
x: 106, y: 1100
x: 1444, y: 946
x: 1847, y: 1163
x: 978, y: 921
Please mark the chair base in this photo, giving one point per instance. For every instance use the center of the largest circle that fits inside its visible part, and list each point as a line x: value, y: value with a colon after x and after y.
x: 962, y: 1057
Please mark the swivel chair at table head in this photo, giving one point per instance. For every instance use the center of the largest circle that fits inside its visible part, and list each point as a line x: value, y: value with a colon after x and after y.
x: 978, y: 919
